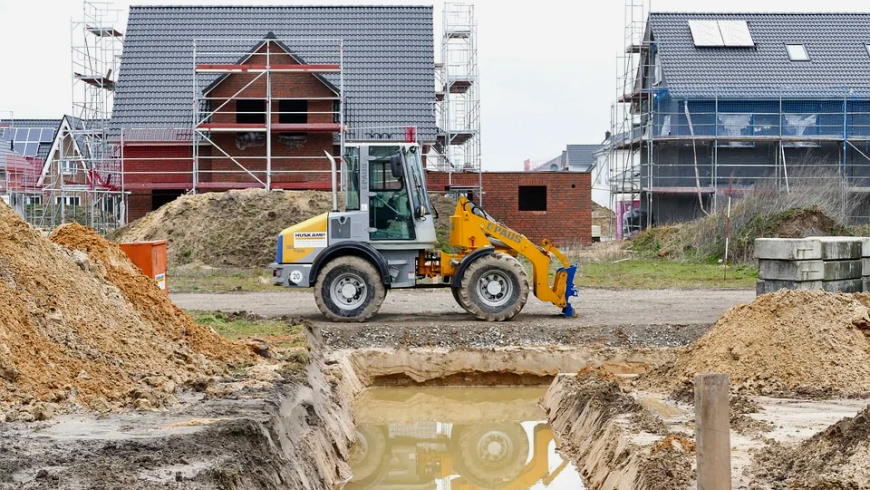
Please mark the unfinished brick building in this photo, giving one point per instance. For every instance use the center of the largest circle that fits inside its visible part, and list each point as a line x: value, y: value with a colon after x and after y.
x: 217, y: 98
x: 552, y: 205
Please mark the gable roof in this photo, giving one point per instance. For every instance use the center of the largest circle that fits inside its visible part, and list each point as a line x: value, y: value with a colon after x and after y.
x: 581, y: 158
x: 388, y: 59
x: 42, y: 141
x: 270, y: 37
x: 575, y: 158
x: 836, y: 42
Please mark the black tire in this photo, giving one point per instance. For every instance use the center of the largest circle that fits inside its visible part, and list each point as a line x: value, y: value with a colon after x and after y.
x: 458, y: 298
x: 510, y: 288
x: 354, y: 272
x: 367, y: 454
x: 492, y: 455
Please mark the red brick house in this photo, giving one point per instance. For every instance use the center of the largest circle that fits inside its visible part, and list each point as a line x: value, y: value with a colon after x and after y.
x: 217, y: 98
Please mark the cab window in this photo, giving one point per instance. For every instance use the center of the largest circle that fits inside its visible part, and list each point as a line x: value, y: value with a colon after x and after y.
x: 390, y: 215
x: 351, y: 179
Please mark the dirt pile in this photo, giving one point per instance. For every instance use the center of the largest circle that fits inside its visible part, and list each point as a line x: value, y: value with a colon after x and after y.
x: 603, y: 217
x: 91, y: 330
x: 832, y: 459
x: 808, y: 343
x: 596, y: 424
x: 444, y: 206
x: 234, y: 228
x: 704, y: 238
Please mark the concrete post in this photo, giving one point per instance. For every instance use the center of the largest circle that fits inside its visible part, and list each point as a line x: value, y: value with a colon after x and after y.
x: 712, y: 431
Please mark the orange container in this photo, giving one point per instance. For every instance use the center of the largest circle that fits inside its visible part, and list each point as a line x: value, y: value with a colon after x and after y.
x: 151, y: 257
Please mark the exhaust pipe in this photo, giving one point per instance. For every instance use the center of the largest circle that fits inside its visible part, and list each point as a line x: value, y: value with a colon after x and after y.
x: 333, y: 166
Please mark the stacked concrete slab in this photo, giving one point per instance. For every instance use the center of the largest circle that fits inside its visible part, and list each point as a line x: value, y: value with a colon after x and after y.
x: 835, y: 264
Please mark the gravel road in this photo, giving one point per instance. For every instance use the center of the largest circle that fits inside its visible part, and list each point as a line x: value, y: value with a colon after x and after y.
x: 423, y: 317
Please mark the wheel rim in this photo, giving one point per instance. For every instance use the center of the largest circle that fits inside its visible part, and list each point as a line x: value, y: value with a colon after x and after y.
x: 494, y: 288
x: 348, y: 291
x: 494, y: 447
x: 359, y: 449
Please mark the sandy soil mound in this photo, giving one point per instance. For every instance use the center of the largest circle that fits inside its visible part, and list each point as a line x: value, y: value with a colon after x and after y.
x: 835, y: 458
x: 91, y: 330
x: 788, y: 342
x: 234, y: 228
x: 704, y: 239
x: 603, y: 217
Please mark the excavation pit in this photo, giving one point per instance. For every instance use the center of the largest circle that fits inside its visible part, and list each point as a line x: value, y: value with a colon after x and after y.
x: 456, y: 436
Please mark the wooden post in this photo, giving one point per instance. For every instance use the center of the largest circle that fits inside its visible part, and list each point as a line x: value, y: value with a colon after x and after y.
x: 712, y: 431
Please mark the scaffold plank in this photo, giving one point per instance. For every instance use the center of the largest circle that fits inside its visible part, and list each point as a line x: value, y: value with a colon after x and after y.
x: 223, y: 68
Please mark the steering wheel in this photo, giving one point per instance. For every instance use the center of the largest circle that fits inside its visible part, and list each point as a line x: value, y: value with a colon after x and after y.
x: 387, y: 204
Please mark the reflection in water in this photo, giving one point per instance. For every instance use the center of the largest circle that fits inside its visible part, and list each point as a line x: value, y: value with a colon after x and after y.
x: 456, y: 438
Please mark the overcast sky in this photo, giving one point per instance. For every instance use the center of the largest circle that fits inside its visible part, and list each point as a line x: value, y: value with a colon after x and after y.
x: 547, y: 67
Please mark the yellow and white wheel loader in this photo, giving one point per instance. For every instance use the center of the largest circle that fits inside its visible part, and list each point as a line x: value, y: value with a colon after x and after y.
x: 383, y: 237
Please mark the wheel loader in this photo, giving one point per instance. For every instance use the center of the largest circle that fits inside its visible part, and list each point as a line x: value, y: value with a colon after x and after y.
x: 380, y: 235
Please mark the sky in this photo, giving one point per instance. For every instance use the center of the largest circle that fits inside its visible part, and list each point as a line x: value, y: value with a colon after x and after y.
x: 547, y: 68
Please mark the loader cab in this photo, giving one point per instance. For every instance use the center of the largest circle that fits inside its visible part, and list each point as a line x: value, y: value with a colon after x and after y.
x: 385, y: 183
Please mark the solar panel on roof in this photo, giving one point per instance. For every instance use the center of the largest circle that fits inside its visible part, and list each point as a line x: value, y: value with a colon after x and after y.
x: 721, y: 33
x: 27, y: 141
x: 705, y: 33
x: 735, y: 33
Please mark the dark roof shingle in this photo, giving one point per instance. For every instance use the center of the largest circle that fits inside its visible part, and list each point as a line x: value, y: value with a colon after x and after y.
x: 388, y: 59
x: 836, y: 42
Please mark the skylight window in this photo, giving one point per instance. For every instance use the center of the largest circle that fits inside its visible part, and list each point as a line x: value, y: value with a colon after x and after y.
x: 797, y: 52
x: 721, y: 33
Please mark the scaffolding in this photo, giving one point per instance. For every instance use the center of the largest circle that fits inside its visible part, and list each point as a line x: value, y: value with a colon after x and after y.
x: 82, y: 178
x: 624, y: 150
x: 258, y: 120
x: 458, y: 96
x: 667, y: 154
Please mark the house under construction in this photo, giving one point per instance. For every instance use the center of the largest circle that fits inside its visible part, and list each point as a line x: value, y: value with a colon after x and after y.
x: 713, y: 104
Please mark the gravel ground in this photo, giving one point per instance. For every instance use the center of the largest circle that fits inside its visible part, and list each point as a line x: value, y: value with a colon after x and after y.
x: 430, y: 317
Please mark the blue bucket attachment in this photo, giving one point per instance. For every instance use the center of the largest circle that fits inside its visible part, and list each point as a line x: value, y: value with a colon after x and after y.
x: 570, y: 290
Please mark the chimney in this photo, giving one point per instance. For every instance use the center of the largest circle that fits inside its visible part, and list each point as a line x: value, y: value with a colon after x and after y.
x: 527, y: 165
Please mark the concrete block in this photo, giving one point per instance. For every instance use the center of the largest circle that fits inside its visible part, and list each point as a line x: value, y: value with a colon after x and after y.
x: 791, y: 270
x: 866, y: 281
x: 844, y: 286
x: 810, y: 270
x: 788, y: 249
x: 764, y: 286
x: 865, y: 266
x: 840, y: 247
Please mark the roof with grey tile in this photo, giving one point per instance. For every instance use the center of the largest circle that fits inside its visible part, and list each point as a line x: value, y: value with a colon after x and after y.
x: 39, y: 133
x: 581, y: 158
x: 388, y: 59
x: 836, y: 43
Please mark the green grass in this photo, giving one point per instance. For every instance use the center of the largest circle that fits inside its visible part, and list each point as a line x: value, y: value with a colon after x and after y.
x: 224, y: 280
x: 280, y: 333
x: 650, y: 273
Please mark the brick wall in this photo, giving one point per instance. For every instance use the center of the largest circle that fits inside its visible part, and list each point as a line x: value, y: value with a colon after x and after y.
x: 567, y: 220
x: 301, y: 160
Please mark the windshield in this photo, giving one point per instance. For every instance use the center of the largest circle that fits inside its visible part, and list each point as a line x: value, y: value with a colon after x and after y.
x: 418, y: 182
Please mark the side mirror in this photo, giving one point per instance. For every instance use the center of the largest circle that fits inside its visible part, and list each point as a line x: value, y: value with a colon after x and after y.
x: 421, y: 211
x: 397, y: 167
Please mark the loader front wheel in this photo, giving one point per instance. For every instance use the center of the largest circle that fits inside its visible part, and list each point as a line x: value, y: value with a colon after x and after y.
x: 458, y: 297
x: 349, y: 289
x: 494, y: 288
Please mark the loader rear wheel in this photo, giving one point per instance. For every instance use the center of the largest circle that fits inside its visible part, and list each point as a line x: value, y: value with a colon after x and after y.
x: 494, y: 288
x: 349, y: 289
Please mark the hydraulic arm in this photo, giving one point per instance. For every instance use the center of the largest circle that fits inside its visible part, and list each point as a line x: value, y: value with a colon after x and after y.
x: 472, y: 228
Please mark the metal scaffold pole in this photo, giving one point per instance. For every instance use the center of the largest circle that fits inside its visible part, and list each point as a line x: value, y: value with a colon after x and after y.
x: 458, y: 99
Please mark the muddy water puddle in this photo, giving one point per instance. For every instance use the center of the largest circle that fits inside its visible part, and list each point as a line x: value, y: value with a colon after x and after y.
x: 456, y: 438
